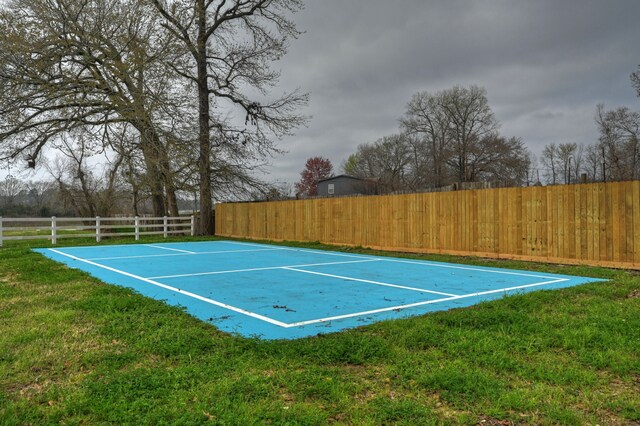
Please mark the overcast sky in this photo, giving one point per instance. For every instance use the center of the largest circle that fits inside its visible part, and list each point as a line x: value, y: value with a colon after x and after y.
x: 545, y: 64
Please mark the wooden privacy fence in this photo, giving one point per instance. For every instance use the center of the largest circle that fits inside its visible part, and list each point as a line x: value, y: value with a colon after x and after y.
x: 597, y: 224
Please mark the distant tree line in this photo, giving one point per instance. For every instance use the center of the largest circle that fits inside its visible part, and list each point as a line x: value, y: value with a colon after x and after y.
x: 88, y: 196
x: 615, y: 157
x: 445, y: 137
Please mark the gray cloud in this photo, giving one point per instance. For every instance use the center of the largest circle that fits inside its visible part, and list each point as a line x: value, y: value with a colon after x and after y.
x: 545, y: 64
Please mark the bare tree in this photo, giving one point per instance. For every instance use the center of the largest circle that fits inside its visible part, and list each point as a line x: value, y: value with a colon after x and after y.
x: 635, y: 80
x: 427, y: 121
x: 562, y: 162
x: 10, y: 188
x: 499, y: 159
x: 470, y: 121
x: 549, y: 160
x: 593, y: 161
x: 620, y: 140
x: 94, y: 64
x: 228, y: 46
x: 89, y: 191
x: 566, y: 153
x: 577, y: 166
x: 456, y: 140
x: 40, y: 192
x: 387, y: 161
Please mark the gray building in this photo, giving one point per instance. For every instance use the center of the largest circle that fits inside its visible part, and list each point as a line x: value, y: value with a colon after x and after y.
x: 345, y: 185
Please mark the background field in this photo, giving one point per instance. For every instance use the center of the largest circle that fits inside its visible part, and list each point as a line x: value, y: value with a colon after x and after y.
x: 75, y: 350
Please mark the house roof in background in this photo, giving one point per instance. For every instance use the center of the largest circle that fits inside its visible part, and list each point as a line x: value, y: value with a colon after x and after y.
x: 341, y: 176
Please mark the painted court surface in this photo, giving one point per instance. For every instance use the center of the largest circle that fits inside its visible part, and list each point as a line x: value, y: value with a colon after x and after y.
x: 276, y: 292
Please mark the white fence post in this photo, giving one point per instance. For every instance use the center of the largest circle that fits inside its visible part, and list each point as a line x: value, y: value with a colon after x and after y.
x: 193, y: 225
x: 165, y: 227
x: 0, y: 231
x: 137, y: 224
x: 54, y: 230
x: 98, y: 236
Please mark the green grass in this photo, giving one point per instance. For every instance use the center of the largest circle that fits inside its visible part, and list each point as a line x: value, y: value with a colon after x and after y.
x: 74, y: 350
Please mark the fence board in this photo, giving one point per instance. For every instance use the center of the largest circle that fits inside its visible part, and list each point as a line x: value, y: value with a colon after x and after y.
x: 627, y: 232
x: 595, y: 223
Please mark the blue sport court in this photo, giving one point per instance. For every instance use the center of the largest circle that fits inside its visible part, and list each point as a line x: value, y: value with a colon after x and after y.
x: 277, y: 292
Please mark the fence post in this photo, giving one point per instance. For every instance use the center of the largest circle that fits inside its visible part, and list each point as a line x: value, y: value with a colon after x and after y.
x: 137, y: 224
x: 98, y: 236
x: 193, y: 225
x: 54, y: 230
x: 165, y: 227
x: 0, y: 231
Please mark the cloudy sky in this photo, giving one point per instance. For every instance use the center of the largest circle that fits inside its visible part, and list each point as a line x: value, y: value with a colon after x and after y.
x: 545, y: 64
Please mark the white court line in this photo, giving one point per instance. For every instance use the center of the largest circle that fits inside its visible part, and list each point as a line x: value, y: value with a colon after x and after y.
x: 369, y: 281
x: 186, y: 293
x: 172, y: 249
x: 439, y: 265
x: 389, y: 259
x: 266, y: 268
x: 135, y: 244
x: 328, y: 253
x: 179, y: 254
x: 411, y: 305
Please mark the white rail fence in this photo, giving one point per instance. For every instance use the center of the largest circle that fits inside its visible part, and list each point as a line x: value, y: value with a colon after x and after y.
x: 49, y: 228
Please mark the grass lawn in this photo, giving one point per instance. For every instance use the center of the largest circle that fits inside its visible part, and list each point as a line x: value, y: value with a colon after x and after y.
x: 75, y: 350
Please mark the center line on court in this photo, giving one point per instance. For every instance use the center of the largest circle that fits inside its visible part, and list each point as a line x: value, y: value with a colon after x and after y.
x: 422, y: 290
x: 171, y: 249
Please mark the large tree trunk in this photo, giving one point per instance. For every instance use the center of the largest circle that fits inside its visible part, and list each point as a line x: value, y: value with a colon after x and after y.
x: 204, y: 142
x: 169, y: 184
x: 154, y: 175
x: 172, y: 200
x: 152, y: 148
x: 170, y: 192
x: 159, y: 177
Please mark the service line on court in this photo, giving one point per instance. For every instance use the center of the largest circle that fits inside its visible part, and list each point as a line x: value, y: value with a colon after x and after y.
x: 177, y: 290
x: 266, y: 268
x: 422, y: 290
x: 327, y: 253
x: 412, y: 305
x: 179, y: 254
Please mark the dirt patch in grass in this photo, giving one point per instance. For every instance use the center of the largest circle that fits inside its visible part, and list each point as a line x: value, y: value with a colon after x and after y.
x: 10, y: 278
x: 635, y: 294
x: 485, y: 420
